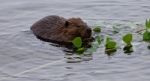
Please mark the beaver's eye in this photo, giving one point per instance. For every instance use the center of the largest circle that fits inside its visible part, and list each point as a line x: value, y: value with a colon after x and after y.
x: 66, y: 24
x: 78, y: 26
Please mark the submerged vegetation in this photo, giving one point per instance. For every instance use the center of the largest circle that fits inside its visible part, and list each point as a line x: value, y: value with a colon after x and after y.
x: 110, y: 44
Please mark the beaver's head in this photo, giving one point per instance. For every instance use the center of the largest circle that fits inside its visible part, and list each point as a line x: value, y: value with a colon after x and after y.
x: 75, y: 27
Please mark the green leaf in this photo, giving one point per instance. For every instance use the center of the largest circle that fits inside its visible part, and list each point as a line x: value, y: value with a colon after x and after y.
x: 146, y: 36
x: 111, y: 45
x: 147, y: 24
x: 77, y: 42
x: 97, y: 29
x: 80, y: 50
x: 127, y: 38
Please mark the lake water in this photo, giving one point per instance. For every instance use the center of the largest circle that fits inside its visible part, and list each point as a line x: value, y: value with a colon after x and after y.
x: 23, y: 57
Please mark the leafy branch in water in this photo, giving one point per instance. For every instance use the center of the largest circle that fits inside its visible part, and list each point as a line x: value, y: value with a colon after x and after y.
x: 110, y: 44
x: 146, y: 34
x: 97, y: 29
x: 77, y: 42
x: 128, y: 39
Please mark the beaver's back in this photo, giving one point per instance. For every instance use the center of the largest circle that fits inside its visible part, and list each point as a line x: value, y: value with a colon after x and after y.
x: 48, y: 26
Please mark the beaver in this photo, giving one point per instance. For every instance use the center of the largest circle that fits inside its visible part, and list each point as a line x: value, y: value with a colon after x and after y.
x: 60, y: 30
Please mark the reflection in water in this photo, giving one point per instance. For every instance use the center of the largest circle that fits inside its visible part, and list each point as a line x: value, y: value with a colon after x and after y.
x: 75, y: 57
x: 128, y: 49
x: 148, y: 46
x: 110, y: 52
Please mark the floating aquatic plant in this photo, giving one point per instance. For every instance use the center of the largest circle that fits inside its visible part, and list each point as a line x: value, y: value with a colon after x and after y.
x: 80, y: 50
x: 110, y: 46
x: 128, y: 39
x: 146, y: 34
x: 77, y: 42
x: 147, y: 24
x: 95, y: 44
x: 97, y: 29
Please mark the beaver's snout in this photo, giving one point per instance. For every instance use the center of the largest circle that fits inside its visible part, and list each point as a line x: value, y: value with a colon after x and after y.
x: 89, y: 31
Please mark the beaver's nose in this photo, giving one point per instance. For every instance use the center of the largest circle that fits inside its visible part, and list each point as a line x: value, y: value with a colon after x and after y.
x: 89, y: 31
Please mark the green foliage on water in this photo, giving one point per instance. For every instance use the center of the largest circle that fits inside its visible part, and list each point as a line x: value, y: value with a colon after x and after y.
x: 127, y: 38
x: 147, y: 24
x: 110, y: 44
x: 95, y: 44
x: 97, y: 29
x: 128, y: 48
x: 80, y: 50
x: 146, y: 34
x: 77, y: 42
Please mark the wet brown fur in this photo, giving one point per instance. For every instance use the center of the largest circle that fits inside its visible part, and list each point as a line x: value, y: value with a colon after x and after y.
x: 60, y: 30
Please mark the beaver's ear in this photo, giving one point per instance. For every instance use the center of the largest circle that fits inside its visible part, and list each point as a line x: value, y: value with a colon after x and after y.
x: 66, y: 23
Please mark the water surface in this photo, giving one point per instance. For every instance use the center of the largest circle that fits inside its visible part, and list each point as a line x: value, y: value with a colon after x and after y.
x: 25, y: 58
